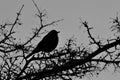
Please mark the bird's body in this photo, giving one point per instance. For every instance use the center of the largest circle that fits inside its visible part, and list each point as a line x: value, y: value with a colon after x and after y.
x: 47, y: 44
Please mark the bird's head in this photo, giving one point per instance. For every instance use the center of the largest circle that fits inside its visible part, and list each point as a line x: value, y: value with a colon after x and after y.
x: 54, y: 31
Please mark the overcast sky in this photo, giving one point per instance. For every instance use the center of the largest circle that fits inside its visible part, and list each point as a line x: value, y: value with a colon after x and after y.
x: 96, y: 12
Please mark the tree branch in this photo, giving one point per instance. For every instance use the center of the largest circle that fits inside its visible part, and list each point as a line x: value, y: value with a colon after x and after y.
x: 71, y: 64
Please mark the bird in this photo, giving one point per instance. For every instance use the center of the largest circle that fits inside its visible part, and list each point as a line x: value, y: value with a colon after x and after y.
x: 47, y: 44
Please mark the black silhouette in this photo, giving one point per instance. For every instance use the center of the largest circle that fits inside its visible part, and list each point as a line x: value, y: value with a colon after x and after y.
x: 47, y: 44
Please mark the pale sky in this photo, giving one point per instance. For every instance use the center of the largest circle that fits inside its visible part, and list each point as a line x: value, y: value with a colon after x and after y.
x: 96, y: 12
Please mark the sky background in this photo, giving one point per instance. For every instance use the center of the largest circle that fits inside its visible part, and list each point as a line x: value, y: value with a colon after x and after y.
x: 97, y: 13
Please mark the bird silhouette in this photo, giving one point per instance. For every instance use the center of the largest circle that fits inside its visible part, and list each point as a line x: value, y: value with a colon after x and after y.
x: 47, y: 44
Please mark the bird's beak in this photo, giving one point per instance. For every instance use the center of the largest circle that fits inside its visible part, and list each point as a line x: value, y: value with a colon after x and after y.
x: 58, y: 31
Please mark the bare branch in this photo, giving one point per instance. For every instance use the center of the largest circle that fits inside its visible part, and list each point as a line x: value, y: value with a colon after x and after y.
x: 90, y: 36
x: 13, y: 25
